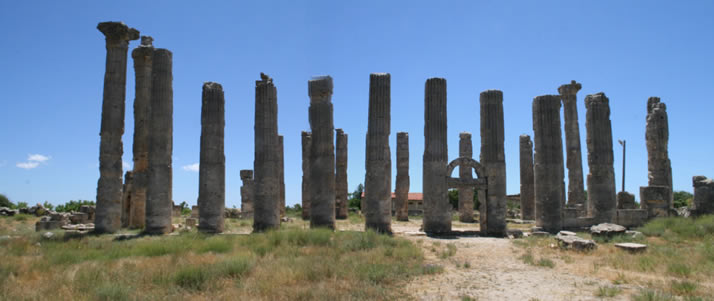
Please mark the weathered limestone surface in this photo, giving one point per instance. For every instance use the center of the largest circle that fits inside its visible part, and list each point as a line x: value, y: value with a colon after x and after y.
x: 212, y: 167
x: 143, y: 58
x: 492, y: 215
x: 656, y: 200
x: 659, y: 168
x: 576, y: 190
x: 126, y: 198
x: 602, y: 204
x: 466, y: 194
x: 437, y: 210
x: 247, y: 192
x: 159, y: 190
x: 527, y: 180
x: 626, y: 200
x: 281, y: 174
x: 401, y: 200
x: 322, y: 153
x: 306, y: 144
x: 378, y: 176
x: 703, y: 195
x: 341, y: 175
x: 109, y: 186
x: 266, y: 214
x: 548, y: 167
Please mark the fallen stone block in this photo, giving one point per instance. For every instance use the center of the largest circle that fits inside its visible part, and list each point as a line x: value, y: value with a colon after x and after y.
x: 607, y: 229
x: 632, y: 247
x: 575, y: 243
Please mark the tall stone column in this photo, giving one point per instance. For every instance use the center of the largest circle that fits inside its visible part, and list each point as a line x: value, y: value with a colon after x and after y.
x: 143, y: 58
x: 378, y: 178
x: 659, y: 168
x: 212, y: 167
x: 281, y: 174
x: 401, y: 193
x: 576, y: 190
x: 266, y: 214
x: 341, y: 175
x: 126, y: 198
x: 247, y: 192
x: 466, y: 194
x: 306, y: 144
x: 492, y: 215
x: 109, y: 187
x: 703, y: 195
x: 527, y: 180
x: 602, y: 203
x: 548, y: 168
x: 437, y: 209
x: 159, y: 198
x: 322, y: 153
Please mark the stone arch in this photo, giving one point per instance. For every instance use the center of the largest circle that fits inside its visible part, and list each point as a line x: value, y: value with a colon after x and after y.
x: 466, y: 162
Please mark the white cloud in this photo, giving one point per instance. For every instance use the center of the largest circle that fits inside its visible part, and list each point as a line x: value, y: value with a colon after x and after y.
x: 27, y: 165
x: 192, y: 167
x: 33, y: 161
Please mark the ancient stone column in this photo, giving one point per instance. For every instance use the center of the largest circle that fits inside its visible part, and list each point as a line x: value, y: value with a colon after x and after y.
x: 466, y: 194
x: 322, y: 153
x: 159, y: 200
x: 602, y: 202
x: 437, y: 209
x: 659, y: 168
x: 281, y: 174
x: 401, y: 193
x: 626, y: 200
x: 143, y: 58
x: 247, y: 192
x: 126, y: 198
x: 378, y: 176
x: 576, y: 190
x: 492, y: 215
x: 212, y: 166
x: 266, y: 214
x: 341, y: 175
x: 548, y: 167
x: 527, y: 180
x: 306, y: 144
x: 703, y: 195
x: 109, y: 187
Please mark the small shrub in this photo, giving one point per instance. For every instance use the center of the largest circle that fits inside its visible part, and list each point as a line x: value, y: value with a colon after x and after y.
x: 192, y: 278
x: 528, y: 258
x: 236, y: 267
x: 607, y: 291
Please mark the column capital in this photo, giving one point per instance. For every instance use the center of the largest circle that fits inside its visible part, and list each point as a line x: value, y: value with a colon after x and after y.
x: 117, y: 32
x: 569, y: 89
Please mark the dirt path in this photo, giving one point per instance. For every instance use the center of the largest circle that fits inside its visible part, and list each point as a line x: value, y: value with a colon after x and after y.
x: 491, y: 269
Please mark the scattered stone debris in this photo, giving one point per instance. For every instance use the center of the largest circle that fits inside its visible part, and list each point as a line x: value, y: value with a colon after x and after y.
x: 48, y: 235
x: 683, y: 211
x: 566, y: 233
x: 519, y: 221
x: 632, y: 247
x: 79, y: 227
x: 540, y: 234
x: 190, y: 222
x: 575, y: 242
x: 607, y: 229
x: 515, y: 233
x: 4, y: 211
x: 286, y: 219
x: 634, y: 234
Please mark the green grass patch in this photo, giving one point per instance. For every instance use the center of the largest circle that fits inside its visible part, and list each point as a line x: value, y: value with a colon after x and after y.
x: 607, y: 291
x: 652, y: 295
x: 684, y: 288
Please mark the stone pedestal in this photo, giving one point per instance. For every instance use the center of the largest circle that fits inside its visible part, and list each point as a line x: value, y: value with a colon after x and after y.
x: 266, y: 214
x: 247, y: 192
x: 601, y: 179
x: 492, y: 214
x: 322, y: 153
x: 548, y: 167
x: 341, y: 175
x: 109, y: 186
x: 159, y: 198
x: 212, y: 167
x: 527, y: 180
x: 655, y: 199
x: 378, y: 176
x: 466, y: 194
x: 143, y: 59
x: 437, y: 209
x: 306, y: 145
x: 576, y: 190
x: 703, y: 195
x: 401, y: 193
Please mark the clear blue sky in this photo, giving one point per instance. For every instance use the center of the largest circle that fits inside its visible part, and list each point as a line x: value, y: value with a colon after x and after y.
x: 52, y: 62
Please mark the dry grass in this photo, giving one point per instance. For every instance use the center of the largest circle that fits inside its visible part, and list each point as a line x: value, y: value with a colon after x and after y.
x: 679, y: 261
x: 289, y: 264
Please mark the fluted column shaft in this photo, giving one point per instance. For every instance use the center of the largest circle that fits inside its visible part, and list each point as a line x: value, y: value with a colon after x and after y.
x: 576, y: 190
x: 322, y: 153
x: 109, y: 187
x: 527, y: 180
x: 466, y: 194
x: 306, y: 139
x: 548, y: 169
x: 341, y: 175
x: 602, y: 203
x: 247, y: 192
x: 493, y: 206
x: 378, y: 178
x: 212, y: 167
x: 401, y: 200
x: 159, y: 199
x: 266, y: 214
x: 659, y: 167
x: 281, y: 174
x: 437, y: 209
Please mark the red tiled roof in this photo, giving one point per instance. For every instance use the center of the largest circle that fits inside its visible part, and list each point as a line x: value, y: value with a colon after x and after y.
x: 413, y: 196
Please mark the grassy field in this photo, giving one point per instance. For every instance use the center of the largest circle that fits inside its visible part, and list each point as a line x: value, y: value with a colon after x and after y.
x: 291, y: 263
x: 678, y: 264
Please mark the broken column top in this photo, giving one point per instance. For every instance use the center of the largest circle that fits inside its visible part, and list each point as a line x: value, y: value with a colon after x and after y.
x: 525, y: 138
x: 494, y: 95
x: 553, y: 99
x: 465, y: 135
x: 597, y: 98
x: 320, y: 88
x: 701, y: 181
x: 264, y: 80
x: 402, y: 134
x: 147, y: 41
x: 118, y: 31
x: 340, y: 131
x: 246, y: 174
x: 212, y: 86
x: 569, y: 89
x: 653, y: 103
x: 306, y: 134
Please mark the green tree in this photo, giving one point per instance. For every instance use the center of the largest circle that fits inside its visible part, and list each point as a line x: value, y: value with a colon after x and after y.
x: 5, y: 202
x: 682, y: 198
x: 48, y: 205
x: 73, y: 205
x: 355, y: 200
x: 454, y: 199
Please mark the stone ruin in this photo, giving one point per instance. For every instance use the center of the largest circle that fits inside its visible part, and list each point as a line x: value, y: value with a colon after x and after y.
x: 657, y: 196
x: 466, y: 194
x: 378, y: 163
x: 322, y: 153
x: 703, y: 195
x: 212, y: 166
x: 527, y: 196
x: 306, y: 145
x: 247, y: 192
x: 548, y: 163
x: 341, y: 189
x: 266, y: 173
x: 401, y: 190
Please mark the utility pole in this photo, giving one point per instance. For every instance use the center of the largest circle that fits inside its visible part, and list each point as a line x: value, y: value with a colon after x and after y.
x: 624, y: 146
